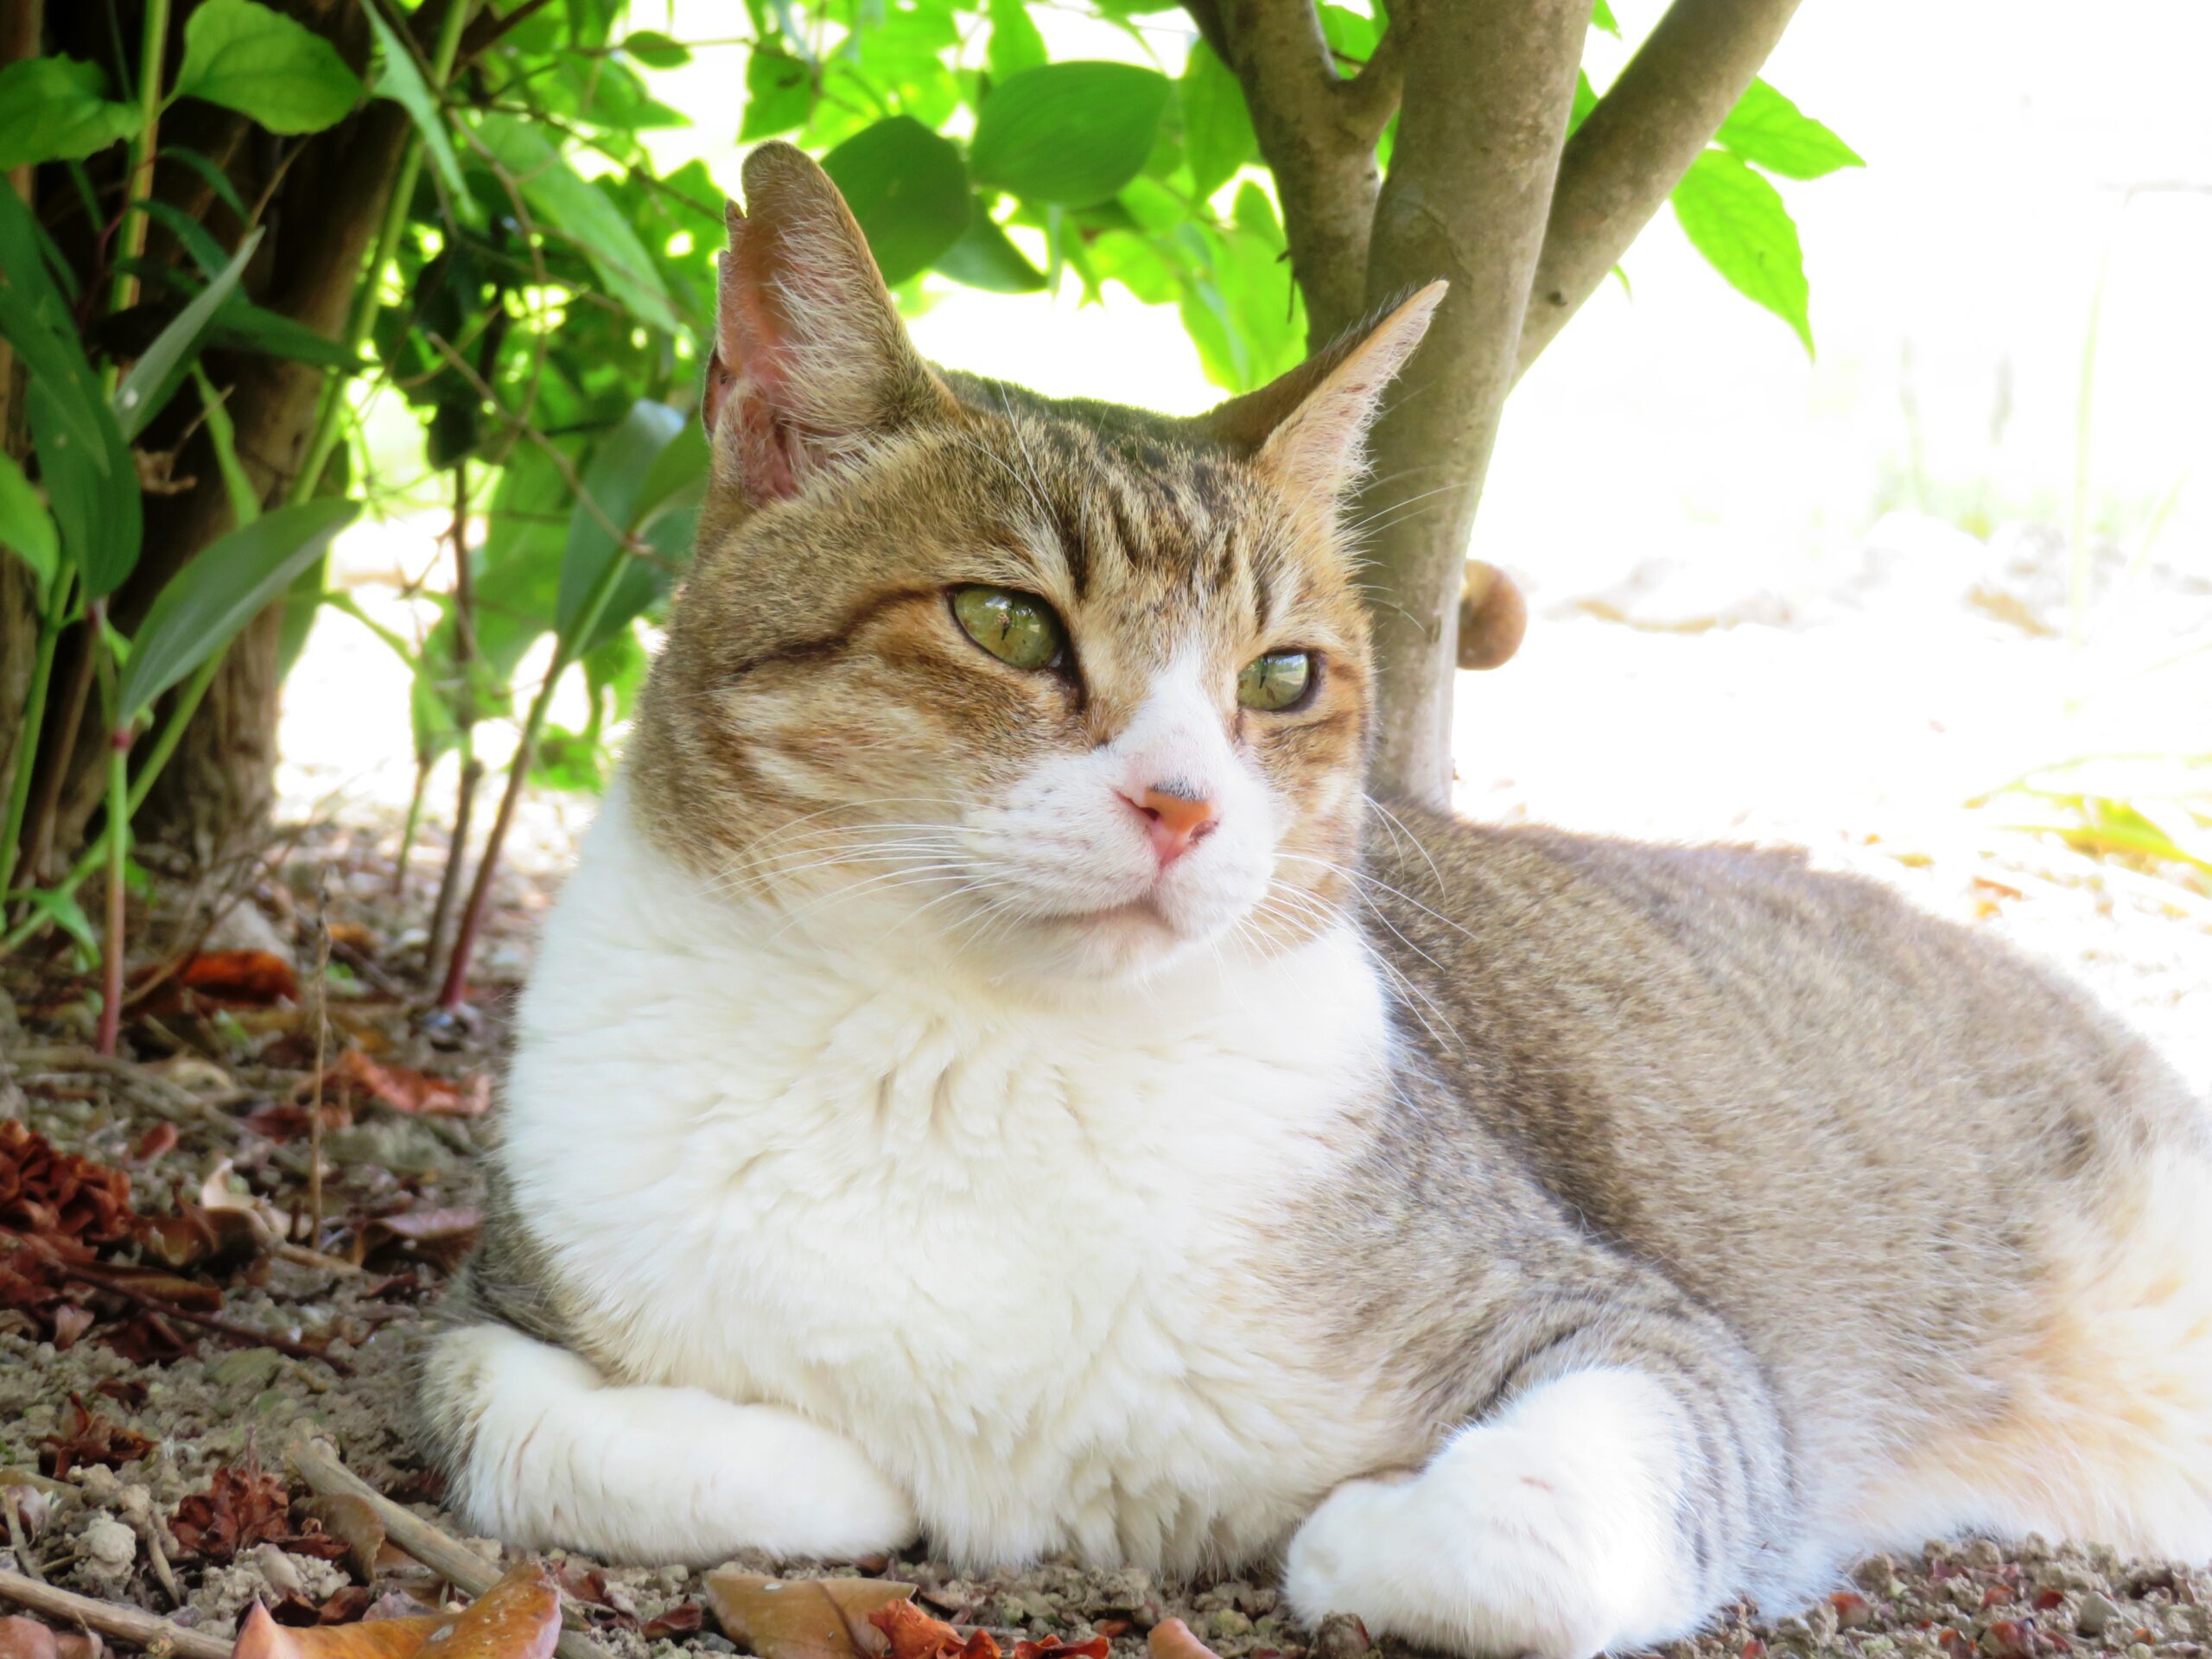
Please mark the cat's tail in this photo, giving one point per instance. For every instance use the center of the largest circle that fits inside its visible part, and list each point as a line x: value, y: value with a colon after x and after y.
x: 542, y: 1451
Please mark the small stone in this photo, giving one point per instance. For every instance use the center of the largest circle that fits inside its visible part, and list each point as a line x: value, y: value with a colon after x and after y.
x: 2097, y: 1611
x: 1228, y: 1623
x: 1341, y: 1636
x: 1983, y: 1553
x: 110, y: 1542
x: 248, y: 1369
x: 276, y: 1566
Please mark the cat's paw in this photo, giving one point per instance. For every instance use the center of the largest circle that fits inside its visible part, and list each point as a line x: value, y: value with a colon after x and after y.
x: 1550, y: 1531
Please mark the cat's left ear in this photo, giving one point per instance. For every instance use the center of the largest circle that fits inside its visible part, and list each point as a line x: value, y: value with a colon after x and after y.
x: 811, y: 363
x: 1310, y: 427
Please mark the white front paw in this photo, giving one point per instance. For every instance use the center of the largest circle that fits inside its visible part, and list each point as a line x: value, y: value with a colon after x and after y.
x: 1542, y: 1533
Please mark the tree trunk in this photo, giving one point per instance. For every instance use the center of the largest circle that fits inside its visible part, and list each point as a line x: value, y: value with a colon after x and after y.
x: 328, y: 212
x: 20, y: 25
x: 1470, y: 187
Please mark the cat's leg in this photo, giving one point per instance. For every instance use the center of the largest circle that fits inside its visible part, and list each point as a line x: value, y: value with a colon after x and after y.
x: 541, y: 1451
x: 1612, y: 1502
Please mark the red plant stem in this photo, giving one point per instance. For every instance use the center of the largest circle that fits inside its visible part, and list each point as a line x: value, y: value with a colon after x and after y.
x: 480, y: 896
x: 118, y: 832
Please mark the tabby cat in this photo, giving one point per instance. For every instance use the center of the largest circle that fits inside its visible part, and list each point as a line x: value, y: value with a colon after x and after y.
x: 995, y: 1078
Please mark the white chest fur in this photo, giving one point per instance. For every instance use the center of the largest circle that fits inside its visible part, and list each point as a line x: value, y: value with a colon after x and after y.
x: 1022, y: 1256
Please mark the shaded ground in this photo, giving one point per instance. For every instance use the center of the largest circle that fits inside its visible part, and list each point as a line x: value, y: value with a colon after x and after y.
x: 1641, y: 710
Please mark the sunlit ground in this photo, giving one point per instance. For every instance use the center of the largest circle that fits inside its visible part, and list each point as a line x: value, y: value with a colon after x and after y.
x: 1822, y: 601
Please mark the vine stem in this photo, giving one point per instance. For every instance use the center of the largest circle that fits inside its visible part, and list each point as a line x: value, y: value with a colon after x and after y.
x: 119, y: 843
x: 565, y: 652
x: 153, y: 46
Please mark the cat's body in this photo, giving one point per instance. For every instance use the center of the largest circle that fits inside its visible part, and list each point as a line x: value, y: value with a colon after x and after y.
x: 1546, y: 1239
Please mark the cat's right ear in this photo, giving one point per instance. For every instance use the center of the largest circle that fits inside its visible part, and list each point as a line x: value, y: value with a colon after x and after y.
x: 1310, y: 427
x: 811, y: 363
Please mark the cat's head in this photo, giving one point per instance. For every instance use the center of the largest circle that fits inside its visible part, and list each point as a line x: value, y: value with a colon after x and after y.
x: 1056, y: 688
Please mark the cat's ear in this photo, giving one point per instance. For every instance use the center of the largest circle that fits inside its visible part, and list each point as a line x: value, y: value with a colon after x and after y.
x: 1310, y: 427
x: 811, y: 363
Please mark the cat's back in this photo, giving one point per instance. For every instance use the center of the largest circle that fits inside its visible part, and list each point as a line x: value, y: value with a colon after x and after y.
x: 1712, y: 1050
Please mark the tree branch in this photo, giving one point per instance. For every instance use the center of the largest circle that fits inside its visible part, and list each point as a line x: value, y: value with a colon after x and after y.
x: 1636, y: 145
x: 1317, y: 131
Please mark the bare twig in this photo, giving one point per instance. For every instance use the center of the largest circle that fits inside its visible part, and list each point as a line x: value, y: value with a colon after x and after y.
x: 1635, y: 146
x: 17, y: 1542
x: 317, y: 1463
x: 140, y: 1629
x: 322, y: 1054
x: 243, y: 1336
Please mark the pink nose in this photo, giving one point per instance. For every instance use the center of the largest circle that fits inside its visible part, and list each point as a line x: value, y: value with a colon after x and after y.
x: 1177, y: 822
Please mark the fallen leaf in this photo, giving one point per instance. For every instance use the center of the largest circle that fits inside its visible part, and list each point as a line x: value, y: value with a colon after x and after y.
x: 518, y: 1617
x: 251, y: 978
x: 354, y: 1522
x: 243, y: 1505
x: 26, y: 1638
x: 417, y: 1093
x: 1172, y: 1639
x: 913, y: 1634
x: 55, y: 1195
x: 1097, y: 1647
x: 262, y: 1638
x: 196, y: 1236
x: 441, y: 1236
x: 805, y: 1619
x: 89, y: 1439
x: 151, y: 1145
x: 682, y: 1619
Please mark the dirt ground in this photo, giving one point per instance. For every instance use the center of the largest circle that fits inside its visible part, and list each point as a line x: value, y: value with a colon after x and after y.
x: 213, y: 1113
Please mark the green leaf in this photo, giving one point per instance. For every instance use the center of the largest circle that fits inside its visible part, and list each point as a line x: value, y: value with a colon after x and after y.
x: 615, y: 481
x: 908, y: 189
x: 246, y: 501
x: 35, y: 320
x: 1015, y: 44
x: 656, y: 50
x: 245, y: 326
x: 584, y: 215
x: 93, y: 491
x: 243, y: 56
x: 1736, y: 219
x: 400, y: 79
x: 986, y: 258
x: 1601, y: 16
x: 51, y: 110
x: 225, y: 587
x: 1586, y: 99
x: 1067, y: 133
x: 778, y: 94
x: 159, y: 370
x: 60, y: 906
x: 302, y: 605
x: 217, y: 180
x: 25, y: 524
x: 1217, y: 136
x: 1767, y: 129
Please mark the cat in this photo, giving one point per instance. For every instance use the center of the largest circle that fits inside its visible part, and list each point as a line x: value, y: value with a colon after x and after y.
x: 995, y: 1077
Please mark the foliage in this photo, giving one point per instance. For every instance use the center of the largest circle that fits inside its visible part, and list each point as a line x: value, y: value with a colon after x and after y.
x: 542, y: 297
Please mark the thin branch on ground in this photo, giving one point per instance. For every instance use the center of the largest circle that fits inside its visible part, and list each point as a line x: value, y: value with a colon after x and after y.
x: 140, y: 1629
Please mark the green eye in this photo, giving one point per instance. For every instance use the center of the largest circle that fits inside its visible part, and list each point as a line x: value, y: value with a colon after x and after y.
x: 1276, y: 680
x: 1019, y: 629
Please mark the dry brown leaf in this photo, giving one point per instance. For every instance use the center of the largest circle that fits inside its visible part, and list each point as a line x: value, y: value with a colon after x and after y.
x: 1052, y: 1648
x: 89, y: 1439
x: 26, y: 1638
x: 805, y: 1619
x: 57, y: 1196
x: 256, y: 978
x: 913, y: 1634
x: 1172, y: 1639
x: 417, y: 1093
x: 354, y: 1522
x: 245, y: 1505
x: 518, y: 1617
x: 262, y: 1638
